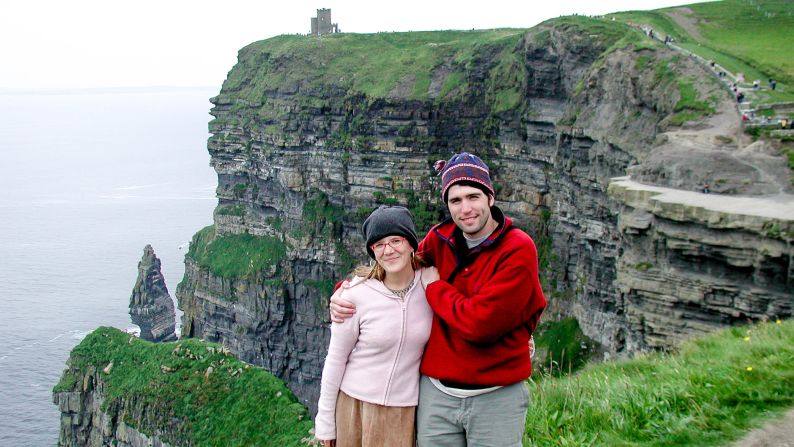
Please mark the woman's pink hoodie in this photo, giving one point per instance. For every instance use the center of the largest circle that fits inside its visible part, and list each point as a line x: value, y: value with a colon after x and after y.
x: 374, y: 356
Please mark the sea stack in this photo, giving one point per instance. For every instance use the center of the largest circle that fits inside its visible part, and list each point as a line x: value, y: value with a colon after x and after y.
x: 151, y: 307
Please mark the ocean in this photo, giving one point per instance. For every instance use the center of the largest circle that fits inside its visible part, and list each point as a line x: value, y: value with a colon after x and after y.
x: 87, y: 179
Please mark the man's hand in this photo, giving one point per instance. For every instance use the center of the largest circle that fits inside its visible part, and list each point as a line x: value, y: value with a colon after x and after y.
x: 341, y: 309
x: 329, y: 443
x: 429, y: 275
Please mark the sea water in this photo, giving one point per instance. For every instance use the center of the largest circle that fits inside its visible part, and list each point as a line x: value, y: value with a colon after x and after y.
x: 87, y: 179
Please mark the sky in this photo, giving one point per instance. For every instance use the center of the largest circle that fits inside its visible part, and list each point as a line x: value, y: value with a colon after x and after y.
x: 57, y: 44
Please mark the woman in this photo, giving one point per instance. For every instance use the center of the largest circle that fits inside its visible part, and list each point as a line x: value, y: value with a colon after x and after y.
x: 370, y: 382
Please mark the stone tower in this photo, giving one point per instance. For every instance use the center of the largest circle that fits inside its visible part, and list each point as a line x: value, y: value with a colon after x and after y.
x: 321, y: 25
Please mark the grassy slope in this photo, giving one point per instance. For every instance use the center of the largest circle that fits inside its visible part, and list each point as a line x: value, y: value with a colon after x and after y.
x: 235, y: 405
x: 372, y: 64
x: 744, y: 38
x: 709, y: 393
x: 235, y: 256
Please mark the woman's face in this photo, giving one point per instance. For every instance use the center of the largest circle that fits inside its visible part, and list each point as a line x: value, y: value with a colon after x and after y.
x: 393, y: 253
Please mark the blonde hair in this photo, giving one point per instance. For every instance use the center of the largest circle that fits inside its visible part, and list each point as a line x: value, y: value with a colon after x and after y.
x: 376, y: 271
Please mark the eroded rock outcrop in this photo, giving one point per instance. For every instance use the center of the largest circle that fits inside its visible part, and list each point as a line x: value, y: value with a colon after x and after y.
x: 691, y: 263
x: 84, y: 421
x: 151, y: 307
x: 120, y: 390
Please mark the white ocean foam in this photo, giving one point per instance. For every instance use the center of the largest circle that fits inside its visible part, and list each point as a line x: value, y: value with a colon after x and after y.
x: 118, y: 197
x: 134, y: 187
x: 55, y: 338
x: 79, y: 335
x: 47, y: 202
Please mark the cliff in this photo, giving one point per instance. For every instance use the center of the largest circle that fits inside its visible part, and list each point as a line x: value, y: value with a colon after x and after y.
x: 692, y: 263
x: 120, y: 390
x: 151, y: 307
x: 310, y: 135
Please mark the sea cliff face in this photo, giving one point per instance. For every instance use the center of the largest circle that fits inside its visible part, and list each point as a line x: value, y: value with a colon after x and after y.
x: 84, y: 422
x: 304, y: 150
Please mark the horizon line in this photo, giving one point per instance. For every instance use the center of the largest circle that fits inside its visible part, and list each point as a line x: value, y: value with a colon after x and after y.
x: 102, y: 90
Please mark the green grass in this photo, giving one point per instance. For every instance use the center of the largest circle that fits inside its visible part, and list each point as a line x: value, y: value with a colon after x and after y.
x: 745, y: 37
x: 235, y: 256
x: 567, y: 348
x: 235, y: 405
x: 709, y: 393
x: 370, y: 64
x: 231, y: 210
x: 760, y: 34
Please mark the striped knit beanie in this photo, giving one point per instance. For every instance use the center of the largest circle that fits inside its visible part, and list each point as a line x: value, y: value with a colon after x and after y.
x: 464, y: 167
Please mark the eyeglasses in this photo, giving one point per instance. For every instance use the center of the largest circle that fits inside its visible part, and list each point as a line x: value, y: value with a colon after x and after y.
x: 395, y: 244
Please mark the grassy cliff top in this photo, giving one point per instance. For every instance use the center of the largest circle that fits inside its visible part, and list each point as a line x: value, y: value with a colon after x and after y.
x: 749, y: 37
x: 373, y: 64
x: 382, y: 65
x: 219, y: 400
x: 710, y: 392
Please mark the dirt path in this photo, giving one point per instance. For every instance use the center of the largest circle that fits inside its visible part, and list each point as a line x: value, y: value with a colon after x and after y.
x: 682, y: 17
x: 779, y: 433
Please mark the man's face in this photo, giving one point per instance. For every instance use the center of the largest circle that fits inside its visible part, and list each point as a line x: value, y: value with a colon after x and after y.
x: 470, y: 209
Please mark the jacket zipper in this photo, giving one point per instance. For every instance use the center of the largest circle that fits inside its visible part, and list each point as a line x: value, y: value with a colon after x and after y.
x: 399, y: 351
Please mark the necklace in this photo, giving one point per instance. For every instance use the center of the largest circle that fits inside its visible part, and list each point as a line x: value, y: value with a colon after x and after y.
x: 401, y: 293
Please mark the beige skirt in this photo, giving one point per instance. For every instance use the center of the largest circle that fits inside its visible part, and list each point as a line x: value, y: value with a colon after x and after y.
x: 362, y: 424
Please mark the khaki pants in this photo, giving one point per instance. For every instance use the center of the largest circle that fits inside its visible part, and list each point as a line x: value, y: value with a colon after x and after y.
x: 362, y: 424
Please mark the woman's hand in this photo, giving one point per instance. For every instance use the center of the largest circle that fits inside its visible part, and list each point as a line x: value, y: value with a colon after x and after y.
x: 429, y: 276
x: 341, y: 309
x: 531, y: 346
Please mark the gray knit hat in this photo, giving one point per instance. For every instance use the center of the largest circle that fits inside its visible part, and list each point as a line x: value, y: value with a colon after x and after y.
x: 389, y: 221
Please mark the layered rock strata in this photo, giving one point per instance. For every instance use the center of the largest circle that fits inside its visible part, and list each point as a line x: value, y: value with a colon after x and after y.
x: 85, y: 423
x: 151, y: 306
x: 303, y: 159
x: 693, y: 262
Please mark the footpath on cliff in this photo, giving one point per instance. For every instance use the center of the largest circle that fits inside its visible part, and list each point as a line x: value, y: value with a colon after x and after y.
x: 778, y: 206
x: 755, y: 182
x: 778, y: 433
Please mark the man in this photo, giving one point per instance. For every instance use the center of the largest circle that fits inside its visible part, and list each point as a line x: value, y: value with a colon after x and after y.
x: 486, y: 297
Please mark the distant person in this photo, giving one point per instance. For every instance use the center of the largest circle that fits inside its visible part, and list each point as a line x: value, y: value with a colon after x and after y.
x: 486, y: 297
x: 370, y: 381
x: 706, y: 188
x: 773, y: 84
x: 740, y: 97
